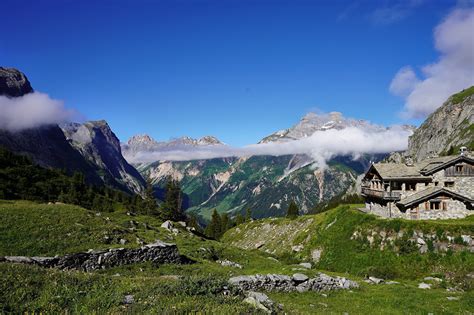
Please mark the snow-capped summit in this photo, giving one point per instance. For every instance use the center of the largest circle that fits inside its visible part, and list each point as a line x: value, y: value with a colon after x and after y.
x: 312, y: 122
x: 141, y: 144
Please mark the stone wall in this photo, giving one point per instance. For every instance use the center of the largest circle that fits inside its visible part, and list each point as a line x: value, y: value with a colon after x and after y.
x: 158, y: 253
x: 297, y: 282
x: 463, y: 185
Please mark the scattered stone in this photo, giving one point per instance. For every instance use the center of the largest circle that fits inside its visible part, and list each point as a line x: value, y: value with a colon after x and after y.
x: 182, y: 223
x: 228, y: 263
x: 123, y: 241
x: 167, y: 225
x: 306, y: 265
x: 432, y: 279
x: 98, y: 214
x: 274, y: 259
x: 452, y: 298
x: 316, y: 255
x: 259, y: 244
x: 392, y: 282
x: 323, y: 304
x: 252, y: 301
x: 128, y: 299
x: 375, y: 280
x: 424, y: 286
x: 297, y: 248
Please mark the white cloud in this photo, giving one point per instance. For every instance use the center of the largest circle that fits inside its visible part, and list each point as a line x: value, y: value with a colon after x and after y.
x: 321, y: 146
x: 404, y: 82
x: 32, y: 110
x: 453, y: 71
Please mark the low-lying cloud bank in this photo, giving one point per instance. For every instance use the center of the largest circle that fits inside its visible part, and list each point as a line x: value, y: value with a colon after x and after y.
x: 453, y: 71
x: 321, y: 146
x: 31, y: 111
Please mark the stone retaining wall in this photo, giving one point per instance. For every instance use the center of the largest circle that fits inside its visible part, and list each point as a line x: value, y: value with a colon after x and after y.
x: 158, y: 253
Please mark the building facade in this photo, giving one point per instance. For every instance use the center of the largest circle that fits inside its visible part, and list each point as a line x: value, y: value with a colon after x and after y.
x: 436, y: 188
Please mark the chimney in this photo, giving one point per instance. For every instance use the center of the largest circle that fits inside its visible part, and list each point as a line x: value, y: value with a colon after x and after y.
x: 462, y: 151
x: 408, y: 161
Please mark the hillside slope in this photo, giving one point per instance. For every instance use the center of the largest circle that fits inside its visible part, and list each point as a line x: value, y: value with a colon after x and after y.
x: 347, y: 240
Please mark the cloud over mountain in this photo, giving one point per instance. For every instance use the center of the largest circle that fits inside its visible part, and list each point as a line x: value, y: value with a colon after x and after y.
x: 453, y: 71
x: 32, y: 110
x: 321, y: 146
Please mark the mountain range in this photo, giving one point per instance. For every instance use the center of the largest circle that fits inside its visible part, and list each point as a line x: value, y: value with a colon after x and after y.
x: 263, y: 183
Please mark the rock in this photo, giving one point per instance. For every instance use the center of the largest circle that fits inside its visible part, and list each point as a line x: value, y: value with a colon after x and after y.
x: 316, y: 255
x: 252, y: 301
x: 375, y: 280
x: 274, y: 259
x: 452, y: 298
x: 424, y: 286
x: 13, y: 83
x: 299, y: 277
x: 261, y: 298
x: 228, y: 263
x: 432, y: 279
x: 467, y: 239
x: 392, y: 282
x: 128, y: 299
x: 306, y: 265
x: 167, y: 225
x: 259, y: 244
x: 182, y: 223
x: 123, y: 241
x: 297, y: 248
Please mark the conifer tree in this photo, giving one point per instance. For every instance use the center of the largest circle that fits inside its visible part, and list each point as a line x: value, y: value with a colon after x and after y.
x: 148, y: 205
x: 248, y: 215
x: 239, y: 219
x: 292, y: 210
x: 215, y: 226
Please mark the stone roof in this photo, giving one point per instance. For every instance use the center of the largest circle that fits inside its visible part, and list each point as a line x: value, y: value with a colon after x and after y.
x: 431, y: 192
x: 415, y: 171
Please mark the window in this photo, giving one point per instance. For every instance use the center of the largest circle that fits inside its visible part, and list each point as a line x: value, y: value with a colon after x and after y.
x: 436, y: 183
x: 434, y: 205
x: 449, y: 184
x: 459, y: 168
x: 426, y: 184
x: 410, y: 186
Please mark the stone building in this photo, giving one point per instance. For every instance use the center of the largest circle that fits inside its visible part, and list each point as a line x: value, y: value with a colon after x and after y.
x: 436, y: 188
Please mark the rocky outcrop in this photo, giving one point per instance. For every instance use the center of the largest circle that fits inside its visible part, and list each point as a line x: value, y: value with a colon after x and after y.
x: 97, y: 143
x: 297, y: 282
x: 445, y: 130
x: 158, y: 253
x: 13, y: 83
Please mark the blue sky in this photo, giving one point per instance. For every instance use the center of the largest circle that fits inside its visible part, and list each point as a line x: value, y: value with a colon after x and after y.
x: 238, y: 70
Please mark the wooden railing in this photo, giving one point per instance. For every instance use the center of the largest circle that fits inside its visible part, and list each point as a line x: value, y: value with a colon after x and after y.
x: 382, y: 194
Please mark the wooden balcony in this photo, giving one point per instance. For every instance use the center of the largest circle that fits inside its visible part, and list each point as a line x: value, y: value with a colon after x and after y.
x: 381, y: 194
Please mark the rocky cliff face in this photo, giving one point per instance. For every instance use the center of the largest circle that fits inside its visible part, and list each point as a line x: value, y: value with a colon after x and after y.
x: 96, y: 142
x: 13, y: 83
x: 91, y: 148
x: 447, y: 129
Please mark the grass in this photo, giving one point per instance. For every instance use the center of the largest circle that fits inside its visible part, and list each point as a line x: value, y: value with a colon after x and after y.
x: 29, y: 228
x: 332, y: 232
x: 461, y: 96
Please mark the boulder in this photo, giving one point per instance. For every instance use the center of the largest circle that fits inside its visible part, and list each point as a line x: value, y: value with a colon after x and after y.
x: 424, y: 286
x: 306, y: 265
x: 299, y: 277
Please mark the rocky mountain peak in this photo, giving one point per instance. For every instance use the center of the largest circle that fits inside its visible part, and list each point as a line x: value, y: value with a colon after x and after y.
x: 209, y: 140
x: 141, y: 139
x: 13, y: 83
